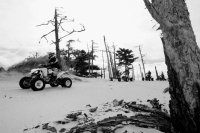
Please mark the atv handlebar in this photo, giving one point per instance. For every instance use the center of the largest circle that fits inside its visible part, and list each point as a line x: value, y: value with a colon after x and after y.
x: 44, y: 65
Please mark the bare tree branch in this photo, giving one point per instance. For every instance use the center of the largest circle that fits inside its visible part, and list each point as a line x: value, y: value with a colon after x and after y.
x: 63, y: 20
x: 78, y: 40
x: 52, y: 42
x: 44, y: 36
x: 60, y: 10
x: 50, y: 21
x: 62, y: 28
x: 69, y: 33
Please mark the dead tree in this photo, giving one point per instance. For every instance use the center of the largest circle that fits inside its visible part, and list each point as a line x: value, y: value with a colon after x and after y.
x: 141, y: 73
x: 115, y: 65
x: 157, y: 78
x: 57, y: 22
x: 182, y: 57
x: 93, y: 50
x: 88, y: 57
x: 143, y: 62
x: 34, y: 55
x: 109, y: 65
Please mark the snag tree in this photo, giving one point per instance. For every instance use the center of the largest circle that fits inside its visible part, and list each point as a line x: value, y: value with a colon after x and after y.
x: 57, y: 22
x: 182, y: 57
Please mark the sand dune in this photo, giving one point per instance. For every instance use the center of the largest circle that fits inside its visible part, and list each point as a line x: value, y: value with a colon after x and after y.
x: 23, y: 109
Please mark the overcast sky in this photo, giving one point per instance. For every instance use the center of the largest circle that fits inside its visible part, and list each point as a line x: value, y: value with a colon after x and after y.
x: 126, y: 23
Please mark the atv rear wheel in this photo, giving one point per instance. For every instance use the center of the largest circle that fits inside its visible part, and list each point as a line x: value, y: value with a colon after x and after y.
x: 66, y: 82
x: 37, y: 84
x: 126, y: 79
x: 24, y: 82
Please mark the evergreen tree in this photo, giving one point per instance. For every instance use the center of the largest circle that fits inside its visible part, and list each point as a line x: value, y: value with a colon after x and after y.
x: 81, y: 63
x: 125, y: 57
x: 2, y: 69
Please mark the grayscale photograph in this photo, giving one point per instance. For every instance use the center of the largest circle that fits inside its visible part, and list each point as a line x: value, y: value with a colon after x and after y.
x: 100, y: 66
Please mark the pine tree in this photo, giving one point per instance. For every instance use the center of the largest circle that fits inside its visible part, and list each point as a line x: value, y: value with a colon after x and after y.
x: 125, y: 57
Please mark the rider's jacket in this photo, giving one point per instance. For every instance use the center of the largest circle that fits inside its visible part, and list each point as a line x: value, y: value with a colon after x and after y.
x: 53, y: 62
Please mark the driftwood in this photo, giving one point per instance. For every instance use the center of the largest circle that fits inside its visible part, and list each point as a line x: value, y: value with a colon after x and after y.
x: 150, y: 110
x: 153, y: 118
x: 143, y: 117
x: 109, y: 125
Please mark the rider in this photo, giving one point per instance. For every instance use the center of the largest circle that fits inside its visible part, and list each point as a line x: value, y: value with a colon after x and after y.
x: 127, y: 71
x: 53, y: 64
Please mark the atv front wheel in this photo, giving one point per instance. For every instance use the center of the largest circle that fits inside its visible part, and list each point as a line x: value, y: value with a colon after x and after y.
x: 37, y: 84
x: 24, y: 82
x: 66, y: 82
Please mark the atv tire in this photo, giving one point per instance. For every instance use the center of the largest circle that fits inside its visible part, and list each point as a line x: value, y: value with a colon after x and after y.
x: 126, y: 79
x: 24, y: 83
x: 66, y: 82
x: 37, y: 84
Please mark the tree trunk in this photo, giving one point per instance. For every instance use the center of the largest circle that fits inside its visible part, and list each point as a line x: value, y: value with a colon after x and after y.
x: 57, y: 40
x: 109, y: 67
x: 182, y: 56
x: 157, y: 78
x: 92, y: 56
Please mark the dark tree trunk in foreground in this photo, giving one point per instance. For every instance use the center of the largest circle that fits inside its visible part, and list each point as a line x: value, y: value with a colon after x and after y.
x: 182, y: 57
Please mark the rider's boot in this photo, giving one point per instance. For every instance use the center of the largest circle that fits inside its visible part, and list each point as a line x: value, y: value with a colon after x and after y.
x: 47, y: 78
x: 52, y: 77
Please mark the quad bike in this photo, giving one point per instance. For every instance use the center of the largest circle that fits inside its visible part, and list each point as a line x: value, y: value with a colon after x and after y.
x: 43, y: 75
x: 148, y: 77
x: 125, y: 76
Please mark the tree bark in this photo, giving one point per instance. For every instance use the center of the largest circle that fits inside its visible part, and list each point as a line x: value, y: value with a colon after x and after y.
x: 182, y: 56
x: 57, y: 40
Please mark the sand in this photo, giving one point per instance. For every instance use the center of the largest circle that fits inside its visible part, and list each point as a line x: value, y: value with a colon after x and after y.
x: 22, y: 109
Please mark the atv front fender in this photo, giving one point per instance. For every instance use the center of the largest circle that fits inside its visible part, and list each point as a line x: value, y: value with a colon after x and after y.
x: 60, y: 74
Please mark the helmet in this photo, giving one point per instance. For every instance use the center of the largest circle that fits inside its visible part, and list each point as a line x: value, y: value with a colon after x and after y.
x: 51, y: 54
